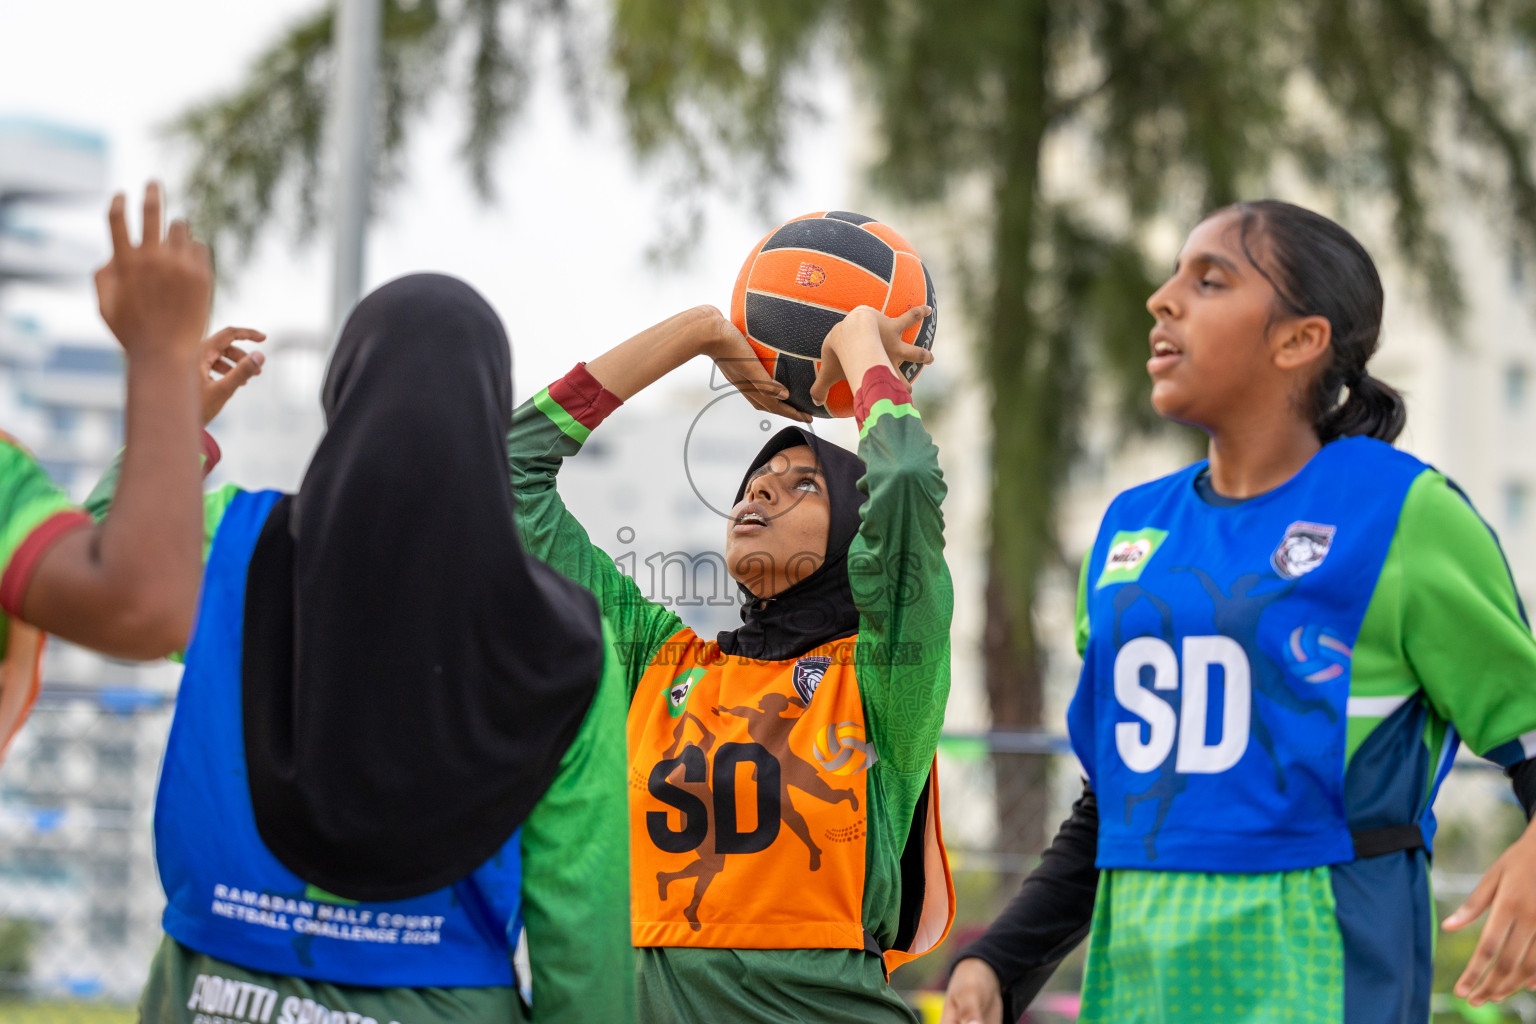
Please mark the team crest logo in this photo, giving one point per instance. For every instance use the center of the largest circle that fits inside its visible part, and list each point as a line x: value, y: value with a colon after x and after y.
x: 807, y: 676
x: 1302, y: 549
x: 841, y: 749
x: 682, y: 686
x: 810, y: 276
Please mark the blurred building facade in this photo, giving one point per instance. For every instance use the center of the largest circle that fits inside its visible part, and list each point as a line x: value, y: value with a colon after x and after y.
x: 77, y: 876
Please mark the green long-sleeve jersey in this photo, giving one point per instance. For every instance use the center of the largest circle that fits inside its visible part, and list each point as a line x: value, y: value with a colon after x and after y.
x: 903, y: 592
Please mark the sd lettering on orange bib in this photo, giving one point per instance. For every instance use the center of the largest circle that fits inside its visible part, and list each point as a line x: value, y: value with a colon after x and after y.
x: 748, y: 799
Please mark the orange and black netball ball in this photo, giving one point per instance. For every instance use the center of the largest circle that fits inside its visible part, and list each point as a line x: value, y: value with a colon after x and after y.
x: 805, y: 276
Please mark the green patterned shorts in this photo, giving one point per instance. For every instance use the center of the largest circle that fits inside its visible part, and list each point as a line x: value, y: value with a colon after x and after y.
x: 1172, y: 947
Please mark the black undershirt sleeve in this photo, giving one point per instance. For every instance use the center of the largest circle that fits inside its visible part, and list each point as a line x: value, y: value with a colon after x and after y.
x: 1050, y: 914
x: 1523, y: 778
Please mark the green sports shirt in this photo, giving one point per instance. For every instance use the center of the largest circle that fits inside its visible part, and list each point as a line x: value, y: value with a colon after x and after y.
x: 905, y: 603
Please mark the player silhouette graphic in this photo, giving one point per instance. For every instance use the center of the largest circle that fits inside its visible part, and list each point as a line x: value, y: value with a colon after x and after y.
x: 1235, y: 615
x: 1168, y: 783
x: 769, y: 727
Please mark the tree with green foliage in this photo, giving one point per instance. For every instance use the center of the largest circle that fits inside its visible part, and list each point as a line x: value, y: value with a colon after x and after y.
x: 1176, y: 107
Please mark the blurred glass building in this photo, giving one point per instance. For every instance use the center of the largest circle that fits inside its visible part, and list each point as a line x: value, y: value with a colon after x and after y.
x: 79, y: 900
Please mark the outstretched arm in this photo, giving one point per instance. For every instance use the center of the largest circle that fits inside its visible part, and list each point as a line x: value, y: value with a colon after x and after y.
x: 128, y: 586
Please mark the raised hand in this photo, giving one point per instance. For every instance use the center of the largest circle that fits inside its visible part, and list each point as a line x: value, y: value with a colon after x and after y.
x: 226, y: 367
x: 739, y: 364
x: 863, y: 339
x: 155, y: 296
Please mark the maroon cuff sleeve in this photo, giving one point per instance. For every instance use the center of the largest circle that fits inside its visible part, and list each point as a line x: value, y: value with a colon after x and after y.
x: 587, y: 401
x: 18, y: 574
x: 211, y: 453
x: 879, y: 382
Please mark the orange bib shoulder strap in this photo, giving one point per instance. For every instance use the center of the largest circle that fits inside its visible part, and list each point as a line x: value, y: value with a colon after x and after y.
x: 927, y: 888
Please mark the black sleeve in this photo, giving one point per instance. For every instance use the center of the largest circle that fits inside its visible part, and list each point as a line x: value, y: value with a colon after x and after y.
x: 1050, y: 914
x: 1523, y: 777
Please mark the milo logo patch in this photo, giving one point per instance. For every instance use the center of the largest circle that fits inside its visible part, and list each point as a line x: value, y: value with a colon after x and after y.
x: 1129, y: 552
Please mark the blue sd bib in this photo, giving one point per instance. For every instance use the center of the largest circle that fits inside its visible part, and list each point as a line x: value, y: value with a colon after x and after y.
x: 1211, y: 710
x: 230, y: 898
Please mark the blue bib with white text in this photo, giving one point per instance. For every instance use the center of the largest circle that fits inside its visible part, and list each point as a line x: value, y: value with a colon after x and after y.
x: 229, y: 897
x: 1211, y: 710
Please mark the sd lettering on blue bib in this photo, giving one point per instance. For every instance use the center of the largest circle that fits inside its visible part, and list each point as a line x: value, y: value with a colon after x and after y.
x: 230, y: 898
x: 1211, y: 710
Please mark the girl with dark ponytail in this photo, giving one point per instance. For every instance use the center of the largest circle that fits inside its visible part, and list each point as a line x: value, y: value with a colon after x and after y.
x: 1283, y: 645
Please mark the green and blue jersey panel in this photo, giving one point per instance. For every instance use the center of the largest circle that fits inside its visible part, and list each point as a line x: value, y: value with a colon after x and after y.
x: 1438, y: 649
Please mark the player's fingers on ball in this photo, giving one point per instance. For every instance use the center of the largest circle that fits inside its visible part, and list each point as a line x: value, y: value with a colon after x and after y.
x: 789, y: 412
x: 756, y: 401
x: 778, y: 408
x: 153, y: 207
x: 758, y: 390
x: 765, y: 386
x: 913, y: 354
x: 821, y: 385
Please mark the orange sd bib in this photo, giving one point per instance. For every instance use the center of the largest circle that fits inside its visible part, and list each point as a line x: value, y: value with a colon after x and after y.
x: 748, y: 803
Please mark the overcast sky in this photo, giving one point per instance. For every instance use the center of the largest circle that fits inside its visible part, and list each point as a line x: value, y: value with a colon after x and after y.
x: 561, y: 257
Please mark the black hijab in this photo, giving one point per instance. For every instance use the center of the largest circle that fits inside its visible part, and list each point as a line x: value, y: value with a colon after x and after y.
x: 820, y: 607
x: 411, y: 677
